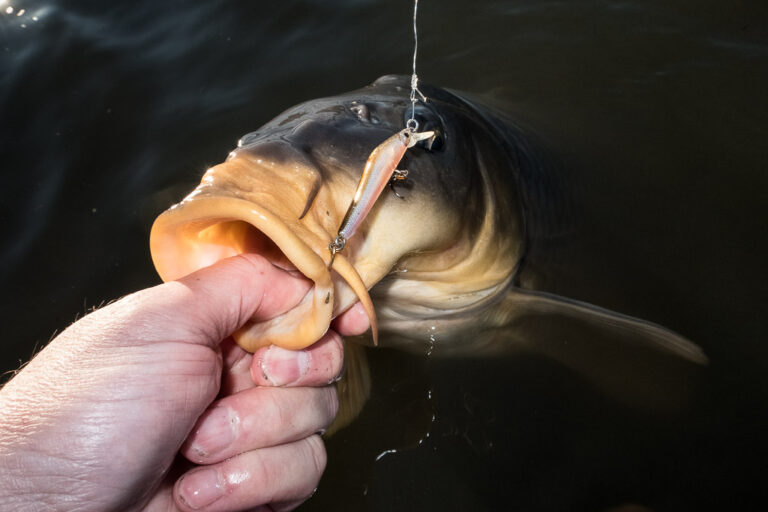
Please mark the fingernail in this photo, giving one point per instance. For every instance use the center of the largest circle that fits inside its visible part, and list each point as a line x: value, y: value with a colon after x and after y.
x: 201, y: 488
x: 216, y: 433
x: 282, y: 367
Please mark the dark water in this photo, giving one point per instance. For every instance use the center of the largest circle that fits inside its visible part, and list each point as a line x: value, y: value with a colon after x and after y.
x: 655, y: 111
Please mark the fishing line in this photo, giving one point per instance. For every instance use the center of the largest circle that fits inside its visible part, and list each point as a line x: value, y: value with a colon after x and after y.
x: 380, y: 168
x: 412, y: 124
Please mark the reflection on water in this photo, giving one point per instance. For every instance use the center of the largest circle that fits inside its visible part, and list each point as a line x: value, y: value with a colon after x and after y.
x: 22, y: 15
x: 655, y: 113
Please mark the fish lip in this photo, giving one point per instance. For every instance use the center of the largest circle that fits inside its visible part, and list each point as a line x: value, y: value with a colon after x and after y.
x: 208, y: 211
x: 246, y: 206
x: 178, y: 232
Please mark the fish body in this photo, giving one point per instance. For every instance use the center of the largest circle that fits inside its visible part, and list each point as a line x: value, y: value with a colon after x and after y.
x: 442, y: 263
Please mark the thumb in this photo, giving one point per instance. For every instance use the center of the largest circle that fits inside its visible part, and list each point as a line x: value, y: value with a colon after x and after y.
x: 210, y: 304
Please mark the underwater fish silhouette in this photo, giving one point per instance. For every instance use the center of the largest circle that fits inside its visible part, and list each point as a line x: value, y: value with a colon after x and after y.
x: 441, y: 259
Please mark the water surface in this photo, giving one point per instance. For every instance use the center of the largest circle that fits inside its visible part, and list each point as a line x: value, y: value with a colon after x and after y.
x: 654, y: 111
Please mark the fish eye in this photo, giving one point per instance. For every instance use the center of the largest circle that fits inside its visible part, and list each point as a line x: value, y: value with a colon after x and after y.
x: 427, y: 121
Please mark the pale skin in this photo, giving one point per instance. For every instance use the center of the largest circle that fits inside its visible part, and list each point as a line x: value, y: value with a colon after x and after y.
x: 147, y: 404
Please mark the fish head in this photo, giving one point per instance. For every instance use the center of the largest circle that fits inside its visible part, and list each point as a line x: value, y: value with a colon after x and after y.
x: 434, y: 248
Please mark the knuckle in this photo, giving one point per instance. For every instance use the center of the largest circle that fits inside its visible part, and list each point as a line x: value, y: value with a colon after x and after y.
x: 260, y: 468
x: 282, y: 412
x: 332, y: 402
x: 317, y: 453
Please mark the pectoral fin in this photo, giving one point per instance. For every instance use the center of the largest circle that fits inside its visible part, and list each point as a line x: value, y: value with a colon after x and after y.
x: 561, y: 320
x: 636, y: 361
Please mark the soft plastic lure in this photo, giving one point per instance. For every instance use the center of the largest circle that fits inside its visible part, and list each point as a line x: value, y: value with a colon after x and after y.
x: 380, y: 169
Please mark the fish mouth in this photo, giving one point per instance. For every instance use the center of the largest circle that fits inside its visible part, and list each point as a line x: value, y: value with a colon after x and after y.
x: 246, y: 207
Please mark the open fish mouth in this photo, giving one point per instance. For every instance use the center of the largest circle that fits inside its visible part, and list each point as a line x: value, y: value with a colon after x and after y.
x: 247, y: 205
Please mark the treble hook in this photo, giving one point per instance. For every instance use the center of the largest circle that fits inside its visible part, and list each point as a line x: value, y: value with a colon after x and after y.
x: 335, y: 247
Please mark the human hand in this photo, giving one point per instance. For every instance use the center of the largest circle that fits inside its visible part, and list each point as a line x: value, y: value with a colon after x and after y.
x: 96, y: 420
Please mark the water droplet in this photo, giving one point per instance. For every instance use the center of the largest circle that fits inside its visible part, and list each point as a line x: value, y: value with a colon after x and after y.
x: 431, y: 345
x: 384, y: 453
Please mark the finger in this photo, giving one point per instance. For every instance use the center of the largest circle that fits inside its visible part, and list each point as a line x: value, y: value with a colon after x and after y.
x: 284, y: 473
x: 161, y: 500
x: 257, y: 418
x: 210, y: 304
x: 317, y: 365
x: 353, y: 321
x: 236, y: 376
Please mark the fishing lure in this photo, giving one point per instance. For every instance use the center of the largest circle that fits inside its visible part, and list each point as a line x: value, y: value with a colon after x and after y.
x: 380, y: 169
